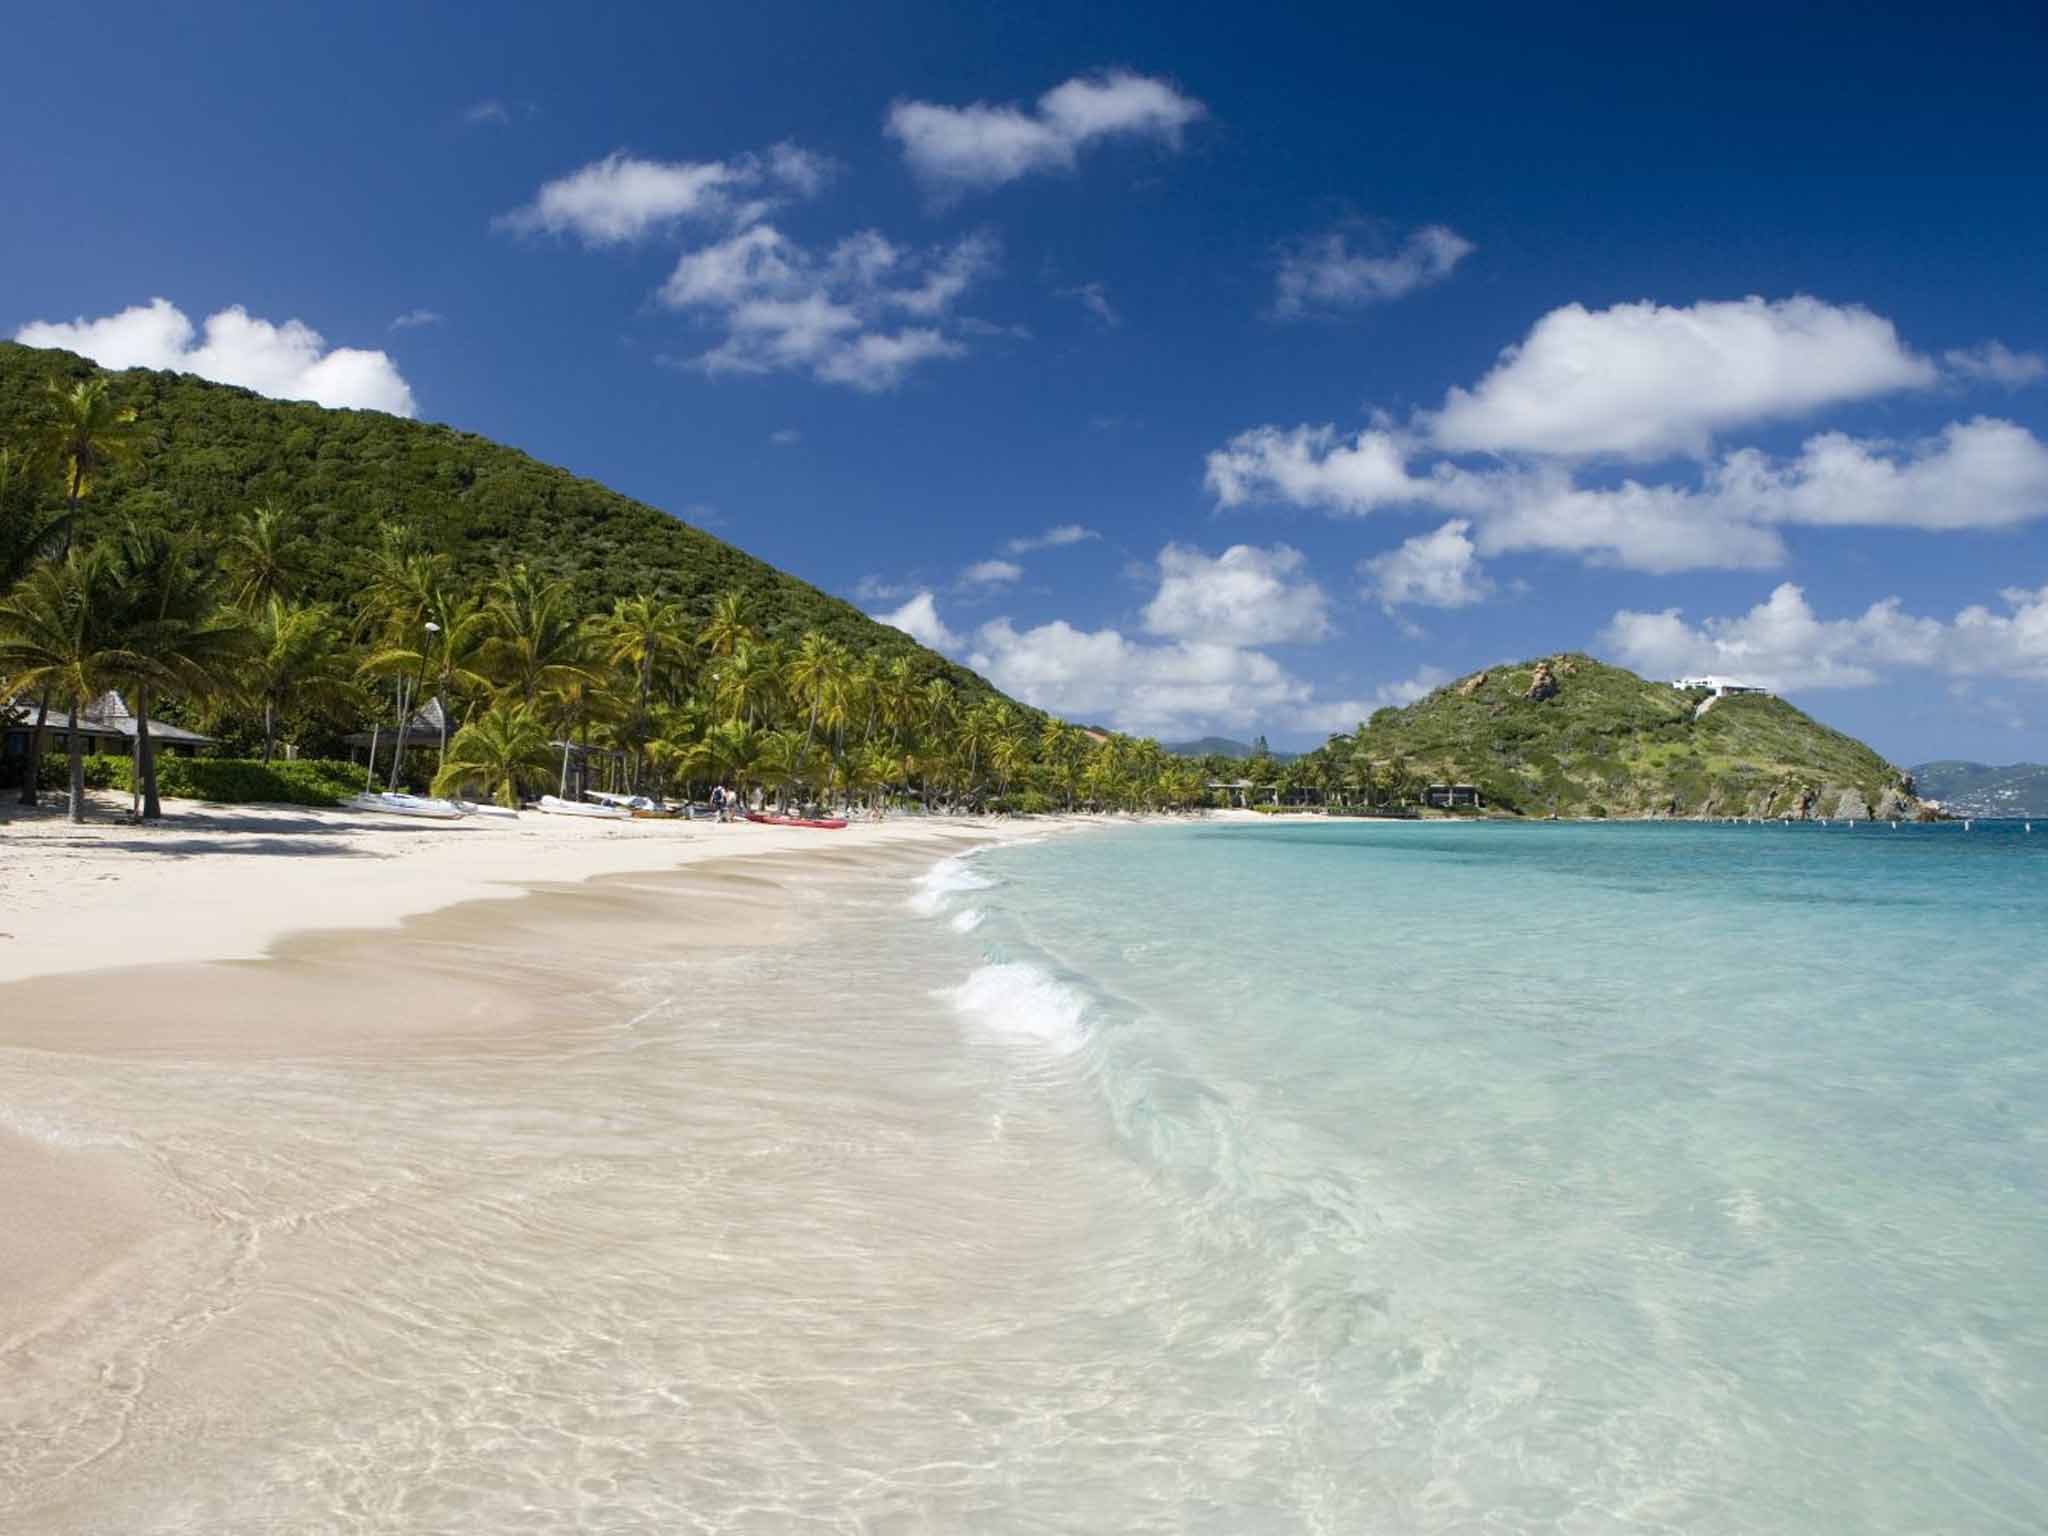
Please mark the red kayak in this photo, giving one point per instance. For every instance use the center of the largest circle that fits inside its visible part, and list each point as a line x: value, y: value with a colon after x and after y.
x: 796, y: 821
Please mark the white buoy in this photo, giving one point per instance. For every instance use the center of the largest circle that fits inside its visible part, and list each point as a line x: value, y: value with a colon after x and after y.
x: 1895, y: 826
x: 1966, y: 826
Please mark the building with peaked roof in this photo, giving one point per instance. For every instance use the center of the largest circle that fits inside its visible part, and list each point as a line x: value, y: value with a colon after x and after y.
x: 107, y: 729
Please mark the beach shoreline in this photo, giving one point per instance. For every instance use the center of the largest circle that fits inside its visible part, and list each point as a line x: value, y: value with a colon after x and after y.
x: 228, y: 882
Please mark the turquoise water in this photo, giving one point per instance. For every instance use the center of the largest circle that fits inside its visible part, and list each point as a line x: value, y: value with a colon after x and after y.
x: 1470, y: 1177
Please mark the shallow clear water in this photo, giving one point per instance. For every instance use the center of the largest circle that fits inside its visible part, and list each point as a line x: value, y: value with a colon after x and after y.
x: 1571, y: 1178
x: 1395, y: 1178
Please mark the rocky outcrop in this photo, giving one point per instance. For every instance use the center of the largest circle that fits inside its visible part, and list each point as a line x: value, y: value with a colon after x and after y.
x: 1852, y: 806
x: 1471, y: 685
x: 1897, y: 804
x: 1542, y: 685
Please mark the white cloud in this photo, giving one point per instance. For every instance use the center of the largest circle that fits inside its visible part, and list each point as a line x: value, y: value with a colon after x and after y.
x: 1647, y: 381
x: 784, y: 308
x: 1976, y: 474
x: 1053, y: 538
x: 1996, y: 363
x: 287, y: 362
x: 991, y: 573
x: 1326, y: 274
x: 1985, y: 473
x: 919, y: 619
x: 785, y: 437
x: 1346, y: 714
x: 955, y: 148
x: 1163, y: 689
x: 1094, y: 298
x: 1781, y: 643
x: 623, y: 198
x: 1434, y: 570
x: 487, y: 112
x: 412, y: 319
x: 1309, y: 466
x: 1242, y: 597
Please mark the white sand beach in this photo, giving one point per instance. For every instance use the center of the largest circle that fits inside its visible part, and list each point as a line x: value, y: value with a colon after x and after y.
x: 225, y: 882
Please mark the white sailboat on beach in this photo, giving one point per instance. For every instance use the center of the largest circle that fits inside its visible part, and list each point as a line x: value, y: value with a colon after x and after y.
x: 405, y: 805
x: 554, y: 805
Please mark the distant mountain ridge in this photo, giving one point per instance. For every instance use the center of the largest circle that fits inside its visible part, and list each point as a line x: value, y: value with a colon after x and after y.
x: 1982, y: 789
x: 1222, y: 746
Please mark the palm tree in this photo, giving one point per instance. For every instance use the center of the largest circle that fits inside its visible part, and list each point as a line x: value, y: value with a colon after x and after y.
x: 813, y: 673
x: 405, y: 590
x: 505, y: 750
x: 533, y: 639
x: 782, y: 758
x: 645, y: 633
x: 746, y: 681
x: 60, y: 632
x: 263, y: 557
x: 728, y: 628
x: 183, y: 638
x: 79, y: 433
x: 298, y: 662
x: 28, y: 533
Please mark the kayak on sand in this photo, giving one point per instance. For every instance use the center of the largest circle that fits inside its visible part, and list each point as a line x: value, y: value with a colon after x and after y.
x: 833, y: 825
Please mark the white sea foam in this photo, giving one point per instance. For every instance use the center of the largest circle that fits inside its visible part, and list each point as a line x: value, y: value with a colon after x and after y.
x: 948, y: 877
x: 1020, y: 1001
x: 967, y: 919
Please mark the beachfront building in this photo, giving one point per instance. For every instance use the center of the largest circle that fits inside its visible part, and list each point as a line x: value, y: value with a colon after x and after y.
x: 1719, y: 687
x: 106, y: 729
x: 1453, y: 797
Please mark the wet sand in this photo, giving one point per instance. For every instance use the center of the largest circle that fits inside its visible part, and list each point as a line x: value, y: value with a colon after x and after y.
x: 182, y: 1212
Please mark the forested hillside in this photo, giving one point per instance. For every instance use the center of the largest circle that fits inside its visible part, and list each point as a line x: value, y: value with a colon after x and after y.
x: 207, y: 452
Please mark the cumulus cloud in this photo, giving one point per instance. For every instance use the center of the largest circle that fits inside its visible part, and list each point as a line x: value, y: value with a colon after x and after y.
x: 991, y: 573
x: 1149, y: 689
x: 783, y: 307
x: 919, y: 619
x: 623, y: 198
x: 1996, y: 363
x: 1242, y: 597
x: 1346, y: 714
x: 1649, y: 381
x: 1977, y: 474
x: 1783, y: 644
x: 1197, y: 666
x: 1433, y: 570
x: 1053, y: 538
x: 291, y: 361
x: 1326, y: 274
x: 959, y: 148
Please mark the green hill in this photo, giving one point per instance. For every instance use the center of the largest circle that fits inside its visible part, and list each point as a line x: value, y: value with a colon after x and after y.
x: 1572, y: 735
x: 211, y: 450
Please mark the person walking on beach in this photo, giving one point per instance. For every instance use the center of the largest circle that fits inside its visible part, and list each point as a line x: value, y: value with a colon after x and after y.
x: 718, y: 802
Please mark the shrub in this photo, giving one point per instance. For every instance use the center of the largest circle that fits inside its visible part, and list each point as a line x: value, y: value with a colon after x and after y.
x: 228, y: 780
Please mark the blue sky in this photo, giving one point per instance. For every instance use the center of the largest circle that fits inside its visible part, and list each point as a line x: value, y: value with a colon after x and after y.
x: 1193, y: 369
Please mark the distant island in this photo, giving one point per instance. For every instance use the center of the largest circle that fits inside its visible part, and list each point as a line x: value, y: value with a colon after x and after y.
x: 1223, y: 746
x: 1979, y: 789
x: 1569, y: 735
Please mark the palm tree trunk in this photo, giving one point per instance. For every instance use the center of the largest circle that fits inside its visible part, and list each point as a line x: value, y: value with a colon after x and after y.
x: 35, y: 740
x: 269, y: 728
x: 370, y: 776
x: 35, y: 749
x: 77, y: 807
x: 152, y: 805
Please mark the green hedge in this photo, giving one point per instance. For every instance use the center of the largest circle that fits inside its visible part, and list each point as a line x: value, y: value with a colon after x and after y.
x: 232, y: 780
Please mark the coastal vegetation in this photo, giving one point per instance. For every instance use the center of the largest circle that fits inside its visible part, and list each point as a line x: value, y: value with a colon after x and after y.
x: 285, y: 578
